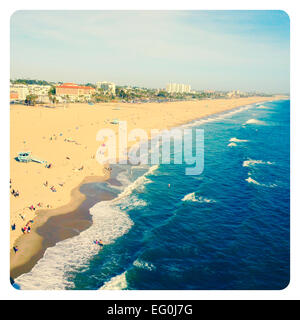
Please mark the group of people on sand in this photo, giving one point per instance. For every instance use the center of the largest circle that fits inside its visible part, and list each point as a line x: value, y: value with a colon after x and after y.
x: 52, y: 188
x: 15, y: 193
x: 99, y: 243
x: 32, y: 208
x: 27, y: 227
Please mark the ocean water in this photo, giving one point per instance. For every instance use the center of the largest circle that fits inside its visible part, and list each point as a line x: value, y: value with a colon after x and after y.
x: 227, y: 228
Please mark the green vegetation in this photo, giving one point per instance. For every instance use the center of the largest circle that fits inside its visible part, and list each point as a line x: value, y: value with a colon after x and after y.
x: 89, y: 85
x: 27, y: 81
x: 52, y: 91
x: 51, y: 94
x: 31, y: 99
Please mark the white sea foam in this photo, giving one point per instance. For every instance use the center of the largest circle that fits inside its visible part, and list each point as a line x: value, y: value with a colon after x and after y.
x: 116, y: 283
x: 189, y: 197
x: 232, y: 144
x: 218, y: 116
x: 52, y: 272
x: 192, y: 197
x: 263, y: 107
x: 144, y: 265
x: 237, y: 140
x: 250, y: 180
x: 250, y: 162
x: 271, y: 185
x: 132, y: 202
x: 142, y: 180
x: 255, y: 121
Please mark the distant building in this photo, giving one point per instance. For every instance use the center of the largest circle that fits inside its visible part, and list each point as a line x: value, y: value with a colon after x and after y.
x: 178, y: 88
x: 107, y: 86
x: 13, y: 95
x: 20, y: 89
x: 43, y: 98
x: 235, y: 93
x: 74, y: 91
x: 38, y: 89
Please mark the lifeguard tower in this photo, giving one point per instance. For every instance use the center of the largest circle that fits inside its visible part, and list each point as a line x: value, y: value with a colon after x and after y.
x: 27, y: 157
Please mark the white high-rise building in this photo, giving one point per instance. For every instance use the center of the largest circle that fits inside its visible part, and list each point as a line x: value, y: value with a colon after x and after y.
x: 107, y: 86
x: 178, y: 88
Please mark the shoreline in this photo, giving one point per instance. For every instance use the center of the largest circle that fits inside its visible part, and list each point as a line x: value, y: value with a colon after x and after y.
x: 33, y: 249
x: 54, y: 225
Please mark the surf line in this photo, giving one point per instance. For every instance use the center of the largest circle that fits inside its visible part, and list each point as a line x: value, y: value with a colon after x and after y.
x: 120, y: 310
x: 139, y: 153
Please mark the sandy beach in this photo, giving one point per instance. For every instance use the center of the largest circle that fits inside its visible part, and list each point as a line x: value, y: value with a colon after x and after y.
x: 65, y: 137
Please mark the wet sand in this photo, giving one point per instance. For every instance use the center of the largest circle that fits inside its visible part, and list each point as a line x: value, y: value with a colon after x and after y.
x: 52, y: 226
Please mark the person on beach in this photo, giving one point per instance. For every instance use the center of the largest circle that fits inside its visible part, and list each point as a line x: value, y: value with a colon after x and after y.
x: 15, y: 193
x: 99, y: 243
x: 13, y: 227
x: 15, y: 249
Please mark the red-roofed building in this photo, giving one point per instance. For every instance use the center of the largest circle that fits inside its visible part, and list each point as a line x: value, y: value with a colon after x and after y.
x: 73, y: 90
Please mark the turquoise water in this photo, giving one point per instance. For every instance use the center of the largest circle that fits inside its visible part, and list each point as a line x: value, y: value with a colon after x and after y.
x: 227, y: 228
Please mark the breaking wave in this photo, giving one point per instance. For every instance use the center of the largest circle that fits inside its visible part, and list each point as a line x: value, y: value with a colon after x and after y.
x: 116, y: 283
x: 192, y: 197
x: 250, y: 180
x: 255, y: 121
x: 50, y: 273
x: 66, y: 257
x: 232, y: 144
x: 218, y: 116
x: 237, y: 140
x: 144, y: 265
x: 263, y: 107
x: 250, y: 162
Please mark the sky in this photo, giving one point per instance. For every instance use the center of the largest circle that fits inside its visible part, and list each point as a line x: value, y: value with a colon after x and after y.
x: 217, y: 50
